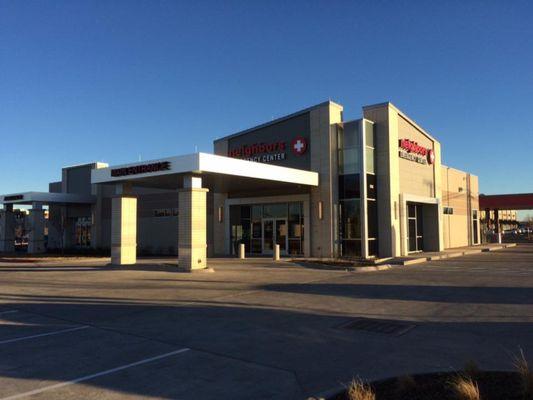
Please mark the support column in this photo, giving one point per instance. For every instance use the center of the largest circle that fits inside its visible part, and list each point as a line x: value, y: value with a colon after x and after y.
x: 497, y: 227
x: 192, y: 237
x: 7, y: 229
x: 36, y: 229
x: 123, y: 227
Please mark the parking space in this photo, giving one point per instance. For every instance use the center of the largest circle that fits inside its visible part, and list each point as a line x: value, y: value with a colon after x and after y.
x: 253, y: 329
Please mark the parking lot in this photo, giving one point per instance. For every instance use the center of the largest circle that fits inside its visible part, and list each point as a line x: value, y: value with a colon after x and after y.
x: 254, y: 329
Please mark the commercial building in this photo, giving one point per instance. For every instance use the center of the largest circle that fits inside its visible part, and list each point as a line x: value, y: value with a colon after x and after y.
x: 310, y: 182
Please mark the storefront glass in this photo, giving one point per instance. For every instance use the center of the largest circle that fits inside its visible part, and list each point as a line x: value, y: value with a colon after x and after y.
x: 260, y: 227
x: 349, y: 167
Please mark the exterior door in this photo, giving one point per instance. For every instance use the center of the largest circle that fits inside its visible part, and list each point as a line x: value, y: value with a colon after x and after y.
x: 268, y: 236
x: 415, y: 227
x: 281, y: 235
x: 274, y: 232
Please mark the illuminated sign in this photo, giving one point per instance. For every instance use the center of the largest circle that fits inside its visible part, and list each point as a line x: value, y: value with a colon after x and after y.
x: 141, y: 169
x: 412, y: 151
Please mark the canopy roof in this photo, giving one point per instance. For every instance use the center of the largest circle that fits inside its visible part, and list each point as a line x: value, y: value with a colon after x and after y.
x: 46, y: 198
x: 220, y: 173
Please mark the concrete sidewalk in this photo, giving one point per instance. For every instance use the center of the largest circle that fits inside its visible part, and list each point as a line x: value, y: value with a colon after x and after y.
x: 418, y: 258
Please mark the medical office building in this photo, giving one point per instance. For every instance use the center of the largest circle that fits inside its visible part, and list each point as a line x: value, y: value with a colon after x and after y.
x: 314, y: 184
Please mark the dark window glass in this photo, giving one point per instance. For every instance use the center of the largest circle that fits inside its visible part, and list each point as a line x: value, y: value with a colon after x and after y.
x: 256, y: 246
x: 351, y: 248
x: 419, y: 221
x: 235, y: 213
x: 372, y: 219
x: 349, y: 186
x: 420, y: 243
x: 412, y: 235
x: 411, y: 210
x: 371, y: 189
x: 245, y: 212
x: 373, y: 247
x: 256, y: 230
x: 257, y: 212
x: 351, y: 219
x: 275, y: 210
x: 294, y: 246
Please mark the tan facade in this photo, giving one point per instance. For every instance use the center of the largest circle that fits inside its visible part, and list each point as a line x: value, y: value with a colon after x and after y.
x: 372, y: 187
x: 192, y: 237
x: 460, y: 196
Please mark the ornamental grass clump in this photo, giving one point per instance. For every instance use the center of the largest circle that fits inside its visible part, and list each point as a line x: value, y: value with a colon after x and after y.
x: 358, y: 390
x: 465, y: 388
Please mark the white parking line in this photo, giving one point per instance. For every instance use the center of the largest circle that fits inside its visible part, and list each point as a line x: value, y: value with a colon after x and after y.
x: 87, y: 377
x: 44, y: 334
x: 37, y: 268
x: 8, y: 312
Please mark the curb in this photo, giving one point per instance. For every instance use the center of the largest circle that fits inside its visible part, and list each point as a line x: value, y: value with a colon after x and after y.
x: 444, y: 256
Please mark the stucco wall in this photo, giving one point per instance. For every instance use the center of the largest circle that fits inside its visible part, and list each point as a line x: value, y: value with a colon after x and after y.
x: 415, y: 178
x: 460, y: 191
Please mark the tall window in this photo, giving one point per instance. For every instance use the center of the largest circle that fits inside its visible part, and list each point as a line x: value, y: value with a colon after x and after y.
x: 349, y: 166
x: 371, y: 189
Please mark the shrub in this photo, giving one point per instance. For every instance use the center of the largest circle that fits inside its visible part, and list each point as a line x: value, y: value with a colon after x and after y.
x: 405, y: 384
x: 465, y: 388
x: 471, y: 369
x: 358, y: 390
x: 526, y: 375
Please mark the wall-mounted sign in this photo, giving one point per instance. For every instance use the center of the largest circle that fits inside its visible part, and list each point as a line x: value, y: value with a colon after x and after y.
x: 260, y: 152
x: 299, y: 145
x: 412, y: 151
x: 268, y: 152
x: 14, y: 197
x: 141, y: 169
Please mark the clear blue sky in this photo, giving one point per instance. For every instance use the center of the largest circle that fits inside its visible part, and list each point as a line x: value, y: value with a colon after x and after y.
x: 82, y: 81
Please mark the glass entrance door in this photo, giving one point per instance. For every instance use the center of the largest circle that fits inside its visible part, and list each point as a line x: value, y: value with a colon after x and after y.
x: 281, y: 235
x: 415, y: 227
x: 274, y: 232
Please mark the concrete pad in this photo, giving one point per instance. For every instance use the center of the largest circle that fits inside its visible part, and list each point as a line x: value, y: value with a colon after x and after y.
x: 258, y: 329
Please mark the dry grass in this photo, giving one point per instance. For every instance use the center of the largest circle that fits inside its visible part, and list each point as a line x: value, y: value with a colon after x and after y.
x: 526, y: 375
x: 465, y: 388
x: 405, y: 384
x: 471, y: 369
x: 358, y: 390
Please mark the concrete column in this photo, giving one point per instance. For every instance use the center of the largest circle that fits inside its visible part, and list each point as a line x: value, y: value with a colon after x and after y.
x: 123, y: 228
x: 36, y: 229
x: 7, y: 229
x: 192, y: 235
x: 497, y: 227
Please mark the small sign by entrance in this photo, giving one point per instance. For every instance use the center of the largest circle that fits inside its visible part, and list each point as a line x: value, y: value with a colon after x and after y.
x: 14, y: 197
x: 141, y: 169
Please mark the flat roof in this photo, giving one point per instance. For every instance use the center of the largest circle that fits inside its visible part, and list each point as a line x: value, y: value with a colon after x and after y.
x: 202, y: 164
x: 404, y: 115
x: 47, y: 198
x: 275, y: 121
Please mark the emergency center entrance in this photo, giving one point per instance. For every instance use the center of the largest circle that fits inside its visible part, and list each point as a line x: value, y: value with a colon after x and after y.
x: 415, y: 226
x: 274, y: 232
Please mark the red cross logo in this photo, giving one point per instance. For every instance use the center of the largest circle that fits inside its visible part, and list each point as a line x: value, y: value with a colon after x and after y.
x: 431, y: 157
x: 299, y: 145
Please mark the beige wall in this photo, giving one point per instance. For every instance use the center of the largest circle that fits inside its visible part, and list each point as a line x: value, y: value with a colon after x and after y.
x: 415, y: 178
x: 460, y: 191
x: 324, y: 161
